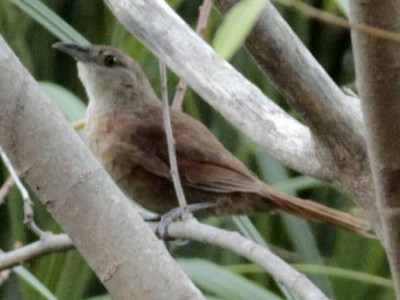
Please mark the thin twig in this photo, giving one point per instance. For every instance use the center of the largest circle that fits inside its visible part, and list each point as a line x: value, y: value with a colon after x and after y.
x: 4, y: 190
x: 28, y: 204
x: 330, y: 18
x: 171, y: 144
x: 49, y: 244
x: 4, y: 275
x: 204, y: 13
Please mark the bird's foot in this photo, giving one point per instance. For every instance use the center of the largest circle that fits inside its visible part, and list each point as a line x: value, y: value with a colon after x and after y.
x: 174, y: 214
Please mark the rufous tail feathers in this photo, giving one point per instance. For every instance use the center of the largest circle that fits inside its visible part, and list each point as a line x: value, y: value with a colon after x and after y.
x: 313, y: 211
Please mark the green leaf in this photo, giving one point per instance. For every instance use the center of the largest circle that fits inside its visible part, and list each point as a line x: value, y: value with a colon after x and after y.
x: 248, y: 230
x: 174, y: 3
x: 51, y: 21
x: 345, y: 274
x: 344, y: 5
x: 236, y: 26
x: 297, y: 184
x: 70, y: 105
x: 299, y: 230
x: 222, y: 283
x: 26, y: 276
x: 102, y: 297
x: 341, y: 273
x: 74, y: 273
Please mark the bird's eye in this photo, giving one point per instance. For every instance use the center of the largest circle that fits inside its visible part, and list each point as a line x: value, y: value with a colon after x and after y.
x: 110, y: 60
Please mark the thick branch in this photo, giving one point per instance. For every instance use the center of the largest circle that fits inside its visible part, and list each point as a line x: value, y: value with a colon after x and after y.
x: 105, y: 228
x: 334, y: 117
x: 166, y: 34
x: 378, y: 80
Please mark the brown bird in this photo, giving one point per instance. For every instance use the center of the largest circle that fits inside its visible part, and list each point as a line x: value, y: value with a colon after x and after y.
x: 125, y: 131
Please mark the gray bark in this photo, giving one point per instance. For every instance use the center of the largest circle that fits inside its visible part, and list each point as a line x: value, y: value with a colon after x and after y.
x: 282, y: 272
x: 103, y: 225
x: 378, y: 80
x: 335, y: 119
x: 302, y: 80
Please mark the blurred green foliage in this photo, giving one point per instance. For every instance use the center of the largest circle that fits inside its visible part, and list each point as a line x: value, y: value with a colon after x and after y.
x: 66, y: 275
x: 231, y: 34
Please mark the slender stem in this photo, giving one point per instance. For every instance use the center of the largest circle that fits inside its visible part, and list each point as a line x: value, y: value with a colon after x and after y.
x: 28, y: 204
x: 50, y: 244
x: 204, y: 13
x: 330, y: 18
x: 5, y: 189
x: 171, y: 145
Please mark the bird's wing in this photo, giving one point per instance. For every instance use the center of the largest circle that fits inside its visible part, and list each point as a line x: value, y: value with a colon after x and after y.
x: 218, y: 178
x: 203, y: 162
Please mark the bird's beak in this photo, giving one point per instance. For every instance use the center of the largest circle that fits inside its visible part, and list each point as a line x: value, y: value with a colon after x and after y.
x: 80, y: 53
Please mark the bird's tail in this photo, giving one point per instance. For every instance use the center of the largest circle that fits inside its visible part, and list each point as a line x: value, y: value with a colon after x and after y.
x: 313, y: 211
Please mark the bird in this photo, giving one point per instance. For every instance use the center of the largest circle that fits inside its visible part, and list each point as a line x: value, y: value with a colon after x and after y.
x: 125, y: 131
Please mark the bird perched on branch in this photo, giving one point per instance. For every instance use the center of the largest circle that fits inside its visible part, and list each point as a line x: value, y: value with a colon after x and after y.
x: 126, y: 132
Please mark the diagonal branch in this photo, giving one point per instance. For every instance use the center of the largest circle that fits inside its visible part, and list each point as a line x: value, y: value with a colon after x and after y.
x: 333, y: 117
x: 103, y: 225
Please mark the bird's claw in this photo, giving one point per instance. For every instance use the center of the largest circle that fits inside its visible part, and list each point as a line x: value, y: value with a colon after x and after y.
x: 174, y: 214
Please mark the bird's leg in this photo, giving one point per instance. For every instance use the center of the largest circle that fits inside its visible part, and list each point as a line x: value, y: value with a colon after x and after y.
x: 174, y: 214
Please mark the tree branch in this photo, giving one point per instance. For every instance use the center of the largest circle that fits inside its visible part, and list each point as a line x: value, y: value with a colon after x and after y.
x: 103, y: 225
x: 49, y: 244
x: 296, y: 282
x: 378, y: 78
x: 303, y: 82
x: 335, y: 118
x: 220, y: 85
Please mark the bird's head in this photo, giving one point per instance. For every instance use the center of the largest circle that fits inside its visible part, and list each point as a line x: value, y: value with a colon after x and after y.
x: 108, y: 73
